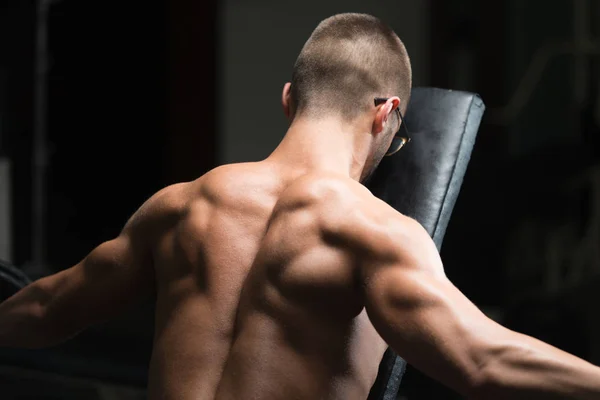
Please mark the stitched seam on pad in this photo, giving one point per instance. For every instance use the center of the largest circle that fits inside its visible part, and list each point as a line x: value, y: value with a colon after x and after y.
x: 452, y: 178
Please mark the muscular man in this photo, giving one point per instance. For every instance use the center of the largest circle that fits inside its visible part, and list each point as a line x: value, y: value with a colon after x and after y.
x: 285, y: 278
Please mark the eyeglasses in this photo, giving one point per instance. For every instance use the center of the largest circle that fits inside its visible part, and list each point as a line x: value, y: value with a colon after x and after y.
x: 399, y: 140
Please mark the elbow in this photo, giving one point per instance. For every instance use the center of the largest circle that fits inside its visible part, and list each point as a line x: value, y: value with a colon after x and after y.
x: 37, y: 330
x: 487, y: 381
x: 22, y: 326
x: 487, y: 387
x: 33, y: 323
x: 480, y: 387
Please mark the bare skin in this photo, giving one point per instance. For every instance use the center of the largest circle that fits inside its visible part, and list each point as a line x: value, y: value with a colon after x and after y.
x: 284, y: 279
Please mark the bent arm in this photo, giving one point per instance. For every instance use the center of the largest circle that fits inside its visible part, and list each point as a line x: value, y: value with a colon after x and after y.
x: 431, y: 324
x: 435, y: 328
x: 57, y: 307
x: 114, y: 276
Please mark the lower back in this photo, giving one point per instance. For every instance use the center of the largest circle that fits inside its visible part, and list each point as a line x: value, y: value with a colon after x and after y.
x: 190, y: 350
x: 265, y: 364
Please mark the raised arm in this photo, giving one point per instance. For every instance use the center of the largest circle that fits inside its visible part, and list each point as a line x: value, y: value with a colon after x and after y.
x: 114, y: 276
x: 432, y: 325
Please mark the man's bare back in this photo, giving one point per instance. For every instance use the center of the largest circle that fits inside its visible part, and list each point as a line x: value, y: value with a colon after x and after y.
x: 286, y: 278
x: 253, y: 299
x: 267, y: 279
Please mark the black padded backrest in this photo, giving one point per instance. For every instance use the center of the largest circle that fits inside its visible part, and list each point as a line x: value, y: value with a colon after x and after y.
x: 424, y: 178
x: 12, y: 280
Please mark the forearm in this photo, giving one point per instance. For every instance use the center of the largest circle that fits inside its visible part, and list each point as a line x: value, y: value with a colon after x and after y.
x: 526, y: 368
x: 436, y: 329
x: 24, y: 318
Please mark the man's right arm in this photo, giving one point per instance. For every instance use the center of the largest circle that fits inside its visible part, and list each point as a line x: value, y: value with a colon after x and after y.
x: 435, y: 328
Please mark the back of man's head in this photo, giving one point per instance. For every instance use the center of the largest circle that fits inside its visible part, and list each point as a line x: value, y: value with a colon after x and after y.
x: 348, y: 61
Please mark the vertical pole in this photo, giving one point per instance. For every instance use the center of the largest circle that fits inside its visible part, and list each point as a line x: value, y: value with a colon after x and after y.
x: 581, y: 38
x: 39, y: 159
x: 191, y: 97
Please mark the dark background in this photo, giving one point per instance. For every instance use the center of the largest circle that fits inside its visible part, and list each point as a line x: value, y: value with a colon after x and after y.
x: 130, y: 98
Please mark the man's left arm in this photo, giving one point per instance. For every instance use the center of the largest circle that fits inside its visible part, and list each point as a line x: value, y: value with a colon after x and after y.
x: 113, y: 277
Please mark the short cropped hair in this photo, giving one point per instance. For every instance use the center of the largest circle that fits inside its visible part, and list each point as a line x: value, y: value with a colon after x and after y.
x: 348, y: 61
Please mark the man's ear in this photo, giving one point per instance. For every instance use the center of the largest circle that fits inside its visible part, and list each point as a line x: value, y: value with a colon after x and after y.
x: 384, y: 114
x: 285, y: 99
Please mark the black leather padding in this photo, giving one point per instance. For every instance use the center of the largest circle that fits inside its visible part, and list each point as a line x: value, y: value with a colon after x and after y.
x: 423, y: 180
x: 12, y: 279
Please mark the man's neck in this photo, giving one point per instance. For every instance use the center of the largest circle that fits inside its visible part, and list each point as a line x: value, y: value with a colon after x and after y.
x: 326, y: 145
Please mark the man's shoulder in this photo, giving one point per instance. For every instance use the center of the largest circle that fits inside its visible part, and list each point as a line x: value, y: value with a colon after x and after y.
x: 324, y: 188
x: 232, y: 181
x: 345, y: 206
x: 161, y: 210
x: 233, y: 184
x: 352, y: 216
x: 322, y: 193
